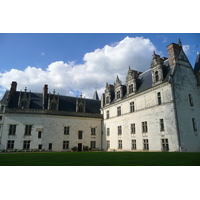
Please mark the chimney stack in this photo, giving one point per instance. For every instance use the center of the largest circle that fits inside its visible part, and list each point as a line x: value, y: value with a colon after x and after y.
x: 45, y: 93
x: 173, y: 52
x: 13, y: 88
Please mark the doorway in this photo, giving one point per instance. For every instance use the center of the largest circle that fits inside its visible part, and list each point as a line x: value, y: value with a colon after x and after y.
x: 79, y: 146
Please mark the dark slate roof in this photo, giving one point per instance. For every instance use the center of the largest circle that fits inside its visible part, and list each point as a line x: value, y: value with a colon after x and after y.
x: 5, y: 97
x: 197, y: 63
x: 66, y: 103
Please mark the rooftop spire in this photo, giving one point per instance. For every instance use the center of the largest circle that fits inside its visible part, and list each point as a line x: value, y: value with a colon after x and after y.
x: 179, y: 42
x: 197, y: 63
x: 96, y: 97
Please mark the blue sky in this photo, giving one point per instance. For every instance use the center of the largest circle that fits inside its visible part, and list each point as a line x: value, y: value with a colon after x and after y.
x: 35, y: 59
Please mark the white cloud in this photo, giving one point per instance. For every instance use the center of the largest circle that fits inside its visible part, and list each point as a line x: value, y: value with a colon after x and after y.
x: 99, y: 67
x: 186, y: 49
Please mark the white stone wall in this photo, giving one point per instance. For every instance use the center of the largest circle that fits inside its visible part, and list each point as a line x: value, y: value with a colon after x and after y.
x: 185, y: 83
x: 146, y: 109
x: 52, y: 128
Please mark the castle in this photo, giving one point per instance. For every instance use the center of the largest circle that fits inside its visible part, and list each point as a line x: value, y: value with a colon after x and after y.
x: 156, y: 110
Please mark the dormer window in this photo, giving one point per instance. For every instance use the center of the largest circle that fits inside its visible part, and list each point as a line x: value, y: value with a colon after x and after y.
x: 24, y: 104
x: 118, y: 94
x: 107, y: 100
x: 80, y: 108
x: 130, y: 88
x: 156, y: 76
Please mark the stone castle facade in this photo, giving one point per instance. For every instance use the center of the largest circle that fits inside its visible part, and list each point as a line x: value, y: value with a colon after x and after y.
x: 156, y: 110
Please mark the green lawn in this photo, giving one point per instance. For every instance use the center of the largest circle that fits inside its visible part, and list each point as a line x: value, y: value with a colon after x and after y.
x: 100, y: 159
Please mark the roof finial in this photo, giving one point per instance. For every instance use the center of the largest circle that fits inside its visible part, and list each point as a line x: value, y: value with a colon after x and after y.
x: 179, y: 42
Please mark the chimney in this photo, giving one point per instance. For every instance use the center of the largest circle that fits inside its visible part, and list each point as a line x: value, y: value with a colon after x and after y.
x: 13, y: 88
x: 173, y: 52
x: 45, y: 92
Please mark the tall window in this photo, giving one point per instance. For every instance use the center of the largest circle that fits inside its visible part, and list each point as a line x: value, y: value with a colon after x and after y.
x: 119, y: 130
x: 156, y: 76
x: 194, y: 124
x: 12, y: 129
x: 80, y: 108
x: 93, y: 144
x: 26, y: 144
x: 80, y: 135
x: 66, y: 130
x: 119, y: 144
x: 93, y: 131
x: 108, y: 144
x: 133, y: 144
x: 190, y: 100
x: 65, y: 144
x: 107, y: 99
x: 146, y: 144
x: 162, y: 128
x: 108, y: 131
x: 144, y: 127
x: 28, y: 129
x: 132, y: 107
x: 130, y: 89
x: 119, y: 111
x: 39, y: 134
x: 165, y: 145
x: 159, y: 98
x: 10, y: 144
x: 132, y: 128
x: 40, y: 146
x: 118, y: 94
x: 107, y: 114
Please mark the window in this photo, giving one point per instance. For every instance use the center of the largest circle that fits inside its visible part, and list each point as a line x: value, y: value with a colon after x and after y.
x: 107, y: 114
x: 165, y: 145
x: 145, y: 144
x: 130, y: 89
x: 144, y: 127
x: 39, y: 134
x: 40, y: 146
x: 194, y: 124
x: 190, y: 100
x: 93, y: 144
x: 162, y: 128
x: 0, y: 118
x: 24, y: 104
x: 132, y: 107
x: 65, y: 144
x: 80, y: 135
x: 12, y: 129
x: 107, y: 99
x: 132, y: 128
x: 50, y: 146
x: 66, y: 130
x: 26, y: 144
x: 108, y: 144
x: 119, y: 111
x: 119, y: 144
x: 118, y: 94
x: 28, y: 129
x: 93, y: 131
x: 159, y: 98
x: 10, y: 144
x: 80, y: 108
x: 133, y: 144
x: 156, y: 76
x: 119, y: 128
x: 108, y: 131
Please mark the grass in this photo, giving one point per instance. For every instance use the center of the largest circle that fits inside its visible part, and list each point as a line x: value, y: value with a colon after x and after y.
x: 100, y: 159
